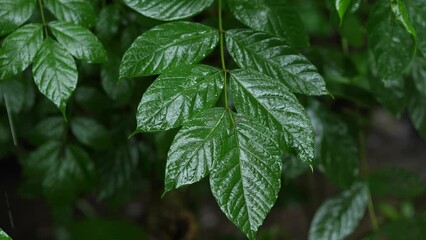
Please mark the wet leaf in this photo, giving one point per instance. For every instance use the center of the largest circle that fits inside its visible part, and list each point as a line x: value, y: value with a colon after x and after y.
x: 4, y: 236
x: 13, y: 13
x: 77, y: 11
x: 401, y: 14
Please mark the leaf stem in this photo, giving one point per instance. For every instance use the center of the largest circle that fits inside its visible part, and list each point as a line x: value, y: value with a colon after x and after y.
x: 40, y: 4
x: 9, y: 116
x: 222, y: 59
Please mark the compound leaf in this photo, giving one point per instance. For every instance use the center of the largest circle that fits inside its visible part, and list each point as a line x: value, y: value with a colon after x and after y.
x: 338, y: 217
x: 276, y: 58
x: 246, y: 178
x: 13, y: 13
x: 77, y: 11
x: 79, y: 41
x: 196, y: 148
x: 177, y: 94
x: 55, y: 73
x: 168, y: 10
x: 166, y: 46
x: 262, y: 97
x: 19, y: 49
x: 272, y: 16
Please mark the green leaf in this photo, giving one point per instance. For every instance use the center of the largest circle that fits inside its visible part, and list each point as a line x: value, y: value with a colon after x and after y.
x: 418, y: 72
x: 166, y: 46
x: 4, y: 236
x: 118, y: 91
x: 177, y: 94
x: 48, y: 129
x: 417, y: 10
x: 417, y: 111
x: 108, y: 22
x: 105, y: 229
x: 267, y: 99
x: 404, y: 228
x: 55, y: 73
x: 276, y: 58
x: 63, y: 172
x: 246, y: 178
x: 19, y: 48
x: 342, y: 7
x: 91, y: 133
x: 14, y: 91
x: 397, y: 182
x: 273, y: 16
x: 401, y: 14
x: 196, y: 148
x: 338, y: 217
x: 77, y: 11
x: 78, y: 41
x: 13, y: 13
x: 168, y: 10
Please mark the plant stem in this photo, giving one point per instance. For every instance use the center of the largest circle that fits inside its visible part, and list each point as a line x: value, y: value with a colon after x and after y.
x: 40, y: 4
x: 9, y: 116
x: 222, y: 59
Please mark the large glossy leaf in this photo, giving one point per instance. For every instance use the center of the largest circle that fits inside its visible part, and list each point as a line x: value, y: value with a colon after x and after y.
x: 246, y: 178
x: 63, y: 171
x: 13, y: 13
x: 4, y: 236
x: 417, y: 9
x: 339, y: 216
x: 196, y: 148
x: 273, y: 16
x: 55, y: 73
x: 166, y: 46
x: 91, y: 133
x: 78, y: 41
x: 168, y: 10
x: 276, y: 58
x: 177, y: 94
x: 77, y: 11
x: 19, y: 48
x: 401, y: 14
x: 341, y: 7
x: 262, y: 97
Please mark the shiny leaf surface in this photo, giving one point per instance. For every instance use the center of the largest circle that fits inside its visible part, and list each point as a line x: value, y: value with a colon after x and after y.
x: 4, y: 236
x: 267, y: 99
x: 246, y: 178
x: 401, y: 14
x: 166, y: 46
x: 276, y: 58
x: 13, y: 13
x: 177, y: 94
x: 196, y: 148
x: 168, y: 10
x: 273, y: 16
x: 19, y: 49
x: 341, y: 7
x: 77, y: 11
x: 55, y: 73
x: 79, y: 41
x: 338, y: 217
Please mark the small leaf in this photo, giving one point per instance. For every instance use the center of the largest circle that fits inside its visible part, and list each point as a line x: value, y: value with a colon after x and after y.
x: 91, y: 133
x: 105, y: 229
x: 13, y: 13
x: 177, y: 94
x: 55, y: 73
x: 342, y: 7
x: 19, y: 49
x: 275, y: 57
x: 166, y: 46
x: 77, y: 11
x: 397, y: 182
x: 267, y: 99
x: 168, y: 10
x: 338, y: 217
x: 273, y: 16
x: 48, y: 129
x: 401, y: 15
x: 196, y: 148
x: 78, y: 41
x: 246, y: 178
x: 4, y: 236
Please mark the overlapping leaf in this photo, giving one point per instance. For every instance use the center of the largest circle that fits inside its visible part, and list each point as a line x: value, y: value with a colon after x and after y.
x: 401, y: 14
x: 196, y: 148
x: 166, y: 46
x: 177, y: 94
x: 78, y: 41
x: 77, y: 11
x: 338, y: 217
x: 258, y: 95
x: 13, y: 13
x: 168, y: 10
x: 246, y: 178
x: 19, y: 49
x: 276, y: 58
x: 55, y: 73
x: 273, y: 16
